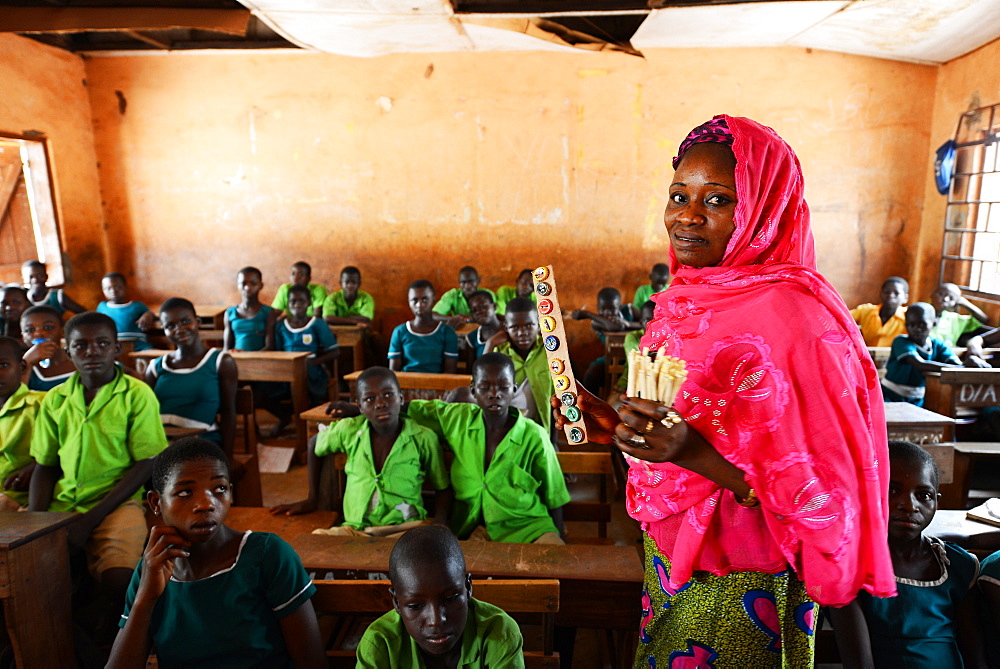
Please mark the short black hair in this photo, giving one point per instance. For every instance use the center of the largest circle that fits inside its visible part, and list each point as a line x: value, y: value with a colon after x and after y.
x: 661, y: 268
x: 907, y: 451
x: 375, y: 373
x: 15, y: 288
x: 520, y: 305
x: 89, y: 318
x: 924, y: 307
x: 648, y: 304
x: 433, y: 546
x: 420, y: 283
x: 15, y: 346
x: 469, y: 268
x: 115, y: 275
x: 31, y: 264
x: 295, y: 288
x: 42, y: 309
x: 481, y: 293
x: 351, y: 269
x: 523, y: 272
x: 182, y: 451
x: 249, y: 269
x: 302, y: 264
x: 609, y: 294
x: 494, y: 358
x: 177, y: 303
x: 897, y: 279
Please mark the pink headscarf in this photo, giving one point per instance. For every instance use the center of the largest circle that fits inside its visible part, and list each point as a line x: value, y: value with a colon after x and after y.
x: 781, y: 384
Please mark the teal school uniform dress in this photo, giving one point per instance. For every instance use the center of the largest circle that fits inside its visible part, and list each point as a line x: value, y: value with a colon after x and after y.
x: 904, y: 382
x: 231, y: 618
x: 53, y: 298
x: 512, y: 496
x: 916, y: 628
x: 38, y: 380
x: 423, y: 352
x: 989, y: 572
x: 313, y: 337
x: 491, y: 640
x: 126, y: 317
x: 190, y: 397
x: 476, y: 342
x: 250, y: 333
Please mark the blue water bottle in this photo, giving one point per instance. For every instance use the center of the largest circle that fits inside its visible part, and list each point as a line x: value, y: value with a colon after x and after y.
x: 44, y: 364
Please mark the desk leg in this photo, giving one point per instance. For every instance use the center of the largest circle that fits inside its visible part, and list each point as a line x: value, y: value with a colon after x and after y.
x: 35, y: 585
x: 300, y: 403
x: 955, y: 495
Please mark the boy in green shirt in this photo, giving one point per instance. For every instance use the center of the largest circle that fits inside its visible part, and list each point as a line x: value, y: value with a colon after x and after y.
x: 435, y: 622
x: 350, y: 305
x: 505, y: 475
x: 94, y: 441
x: 453, y: 307
x: 18, y: 408
x: 301, y: 275
x: 521, y: 340
x: 659, y: 279
x: 388, y: 459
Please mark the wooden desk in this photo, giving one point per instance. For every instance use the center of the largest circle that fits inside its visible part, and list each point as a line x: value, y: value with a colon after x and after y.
x: 957, y: 495
x: 466, y: 328
x: 259, y: 519
x: 35, y: 588
x: 285, y: 366
x: 952, y: 525
x: 600, y: 585
x: 951, y: 390
x: 315, y: 417
x: 912, y: 423
x: 352, y: 336
x: 420, y: 385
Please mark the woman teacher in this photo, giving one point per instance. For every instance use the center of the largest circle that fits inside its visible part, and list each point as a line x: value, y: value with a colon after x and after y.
x: 763, y: 489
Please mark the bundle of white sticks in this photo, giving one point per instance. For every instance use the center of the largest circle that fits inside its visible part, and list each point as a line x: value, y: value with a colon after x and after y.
x: 655, y: 376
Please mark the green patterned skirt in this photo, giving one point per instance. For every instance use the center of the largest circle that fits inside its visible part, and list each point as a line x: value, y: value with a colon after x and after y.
x: 745, y: 619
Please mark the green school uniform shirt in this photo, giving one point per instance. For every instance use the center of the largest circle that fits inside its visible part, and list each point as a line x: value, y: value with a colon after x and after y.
x: 316, y: 291
x: 507, y: 293
x: 644, y: 293
x: 536, y: 370
x: 453, y: 303
x: 512, y: 496
x: 631, y: 344
x: 415, y: 456
x: 491, y: 640
x: 336, y: 305
x: 951, y: 326
x: 96, y: 445
x: 17, y: 416
x: 231, y: 618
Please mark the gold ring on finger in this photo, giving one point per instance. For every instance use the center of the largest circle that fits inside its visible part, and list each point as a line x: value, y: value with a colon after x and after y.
x: 649, y: 427
x: 672, y: 418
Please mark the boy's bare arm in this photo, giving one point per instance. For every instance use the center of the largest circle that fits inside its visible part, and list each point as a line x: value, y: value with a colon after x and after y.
x: 851, y: 632
x: 72, y: 305
x: 927, y: 365
x: 80, y: 530
x: 976, y: 312
x: 43, y: 483
x: 442, y: 506
x: 556, y: 515
x: 493, y: 342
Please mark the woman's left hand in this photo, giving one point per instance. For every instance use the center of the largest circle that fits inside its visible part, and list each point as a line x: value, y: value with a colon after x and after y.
x: 643, y: 434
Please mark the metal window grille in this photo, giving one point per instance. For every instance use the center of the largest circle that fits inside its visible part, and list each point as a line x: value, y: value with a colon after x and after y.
x: 970, y: 255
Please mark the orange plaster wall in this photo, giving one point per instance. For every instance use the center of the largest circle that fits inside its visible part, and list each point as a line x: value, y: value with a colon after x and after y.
x: 45, y: 90
x: 411, y: 166
x: 967, y: 82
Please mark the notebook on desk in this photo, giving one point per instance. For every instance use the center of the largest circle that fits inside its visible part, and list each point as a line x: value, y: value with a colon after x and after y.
x: 988, y: 512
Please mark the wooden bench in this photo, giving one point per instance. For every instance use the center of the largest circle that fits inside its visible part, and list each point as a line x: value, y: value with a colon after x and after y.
x: 419, y: 385
x: 599, y: 510
x: 540, y: 598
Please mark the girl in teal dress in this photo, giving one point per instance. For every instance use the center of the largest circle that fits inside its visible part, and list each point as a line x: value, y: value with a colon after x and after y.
x: 249, y: 326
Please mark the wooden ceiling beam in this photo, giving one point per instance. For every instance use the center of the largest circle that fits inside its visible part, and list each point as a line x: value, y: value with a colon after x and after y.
x: 83, y: 19
x: 148, y: 39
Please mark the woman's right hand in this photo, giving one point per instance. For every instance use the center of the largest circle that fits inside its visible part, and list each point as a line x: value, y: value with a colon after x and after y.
x: 164, y: 546
x: 600, y: 417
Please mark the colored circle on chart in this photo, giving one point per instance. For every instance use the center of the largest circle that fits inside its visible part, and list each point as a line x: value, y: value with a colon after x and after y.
x: 561, y: 383
x: 541, y: 273
x: 572, y: 414
x: 551, y: 343
x: 544, y: 307
x: 543, y: 288
x: 568, y: 399
x: 556, y: 366
x: 575, y: 435
x: 547, y: 323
